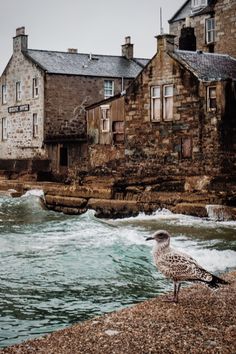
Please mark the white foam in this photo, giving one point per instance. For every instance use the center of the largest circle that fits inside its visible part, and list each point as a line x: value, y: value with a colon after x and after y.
x: 34, y: 192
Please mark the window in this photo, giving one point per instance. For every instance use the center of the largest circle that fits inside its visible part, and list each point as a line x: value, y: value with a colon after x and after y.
x: 35, y: 125
x: 18, y: 90
x: 186, y: 148
x: 118, y: 132
x: 108, y: 88
x: 4, y: 128
x: 196, y: 4
x: 4, y: 94
x: 35, y: 88
x: 156, y: 103
x: 168, y: 102
x: 210, y: 30
x: 105, y: 112
x: 211, y: 98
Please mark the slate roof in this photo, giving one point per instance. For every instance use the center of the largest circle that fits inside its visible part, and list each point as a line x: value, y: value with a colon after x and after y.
x: 207, y: 66
x: 86, y: 64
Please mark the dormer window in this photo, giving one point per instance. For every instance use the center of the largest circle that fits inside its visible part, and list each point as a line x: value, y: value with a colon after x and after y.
x: 198, y: 4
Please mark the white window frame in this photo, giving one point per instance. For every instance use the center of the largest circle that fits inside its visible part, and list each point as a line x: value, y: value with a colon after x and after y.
x: 197, y: 4
x: 166, y: 99
x: 4, y: 128
x: 35, y: 125
x: 105, y: 118
x: 210, y: 30
x: 155, y: 114
x: 4, y: 94
x: 108, y: 88
x: 35, y: 87
x: 211, y: 97
x: 18, y: 91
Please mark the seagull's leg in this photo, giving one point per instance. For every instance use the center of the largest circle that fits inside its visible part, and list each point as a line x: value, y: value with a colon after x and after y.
x: 176, y: 292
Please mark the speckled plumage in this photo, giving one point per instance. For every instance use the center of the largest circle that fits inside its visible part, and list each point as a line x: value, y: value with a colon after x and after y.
x: 179, y: 266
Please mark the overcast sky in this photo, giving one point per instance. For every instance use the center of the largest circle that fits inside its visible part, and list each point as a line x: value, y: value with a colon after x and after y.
x: 92, y: 26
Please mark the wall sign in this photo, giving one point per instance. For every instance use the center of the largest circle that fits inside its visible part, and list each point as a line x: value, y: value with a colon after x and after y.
x: 15, y: 109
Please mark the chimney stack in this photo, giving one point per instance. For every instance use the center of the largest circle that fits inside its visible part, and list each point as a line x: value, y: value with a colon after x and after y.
x: 187, y: 39
x: 165, y: 42
x: 72, y: 50
x: 20, y: 41
x: 128, y: 48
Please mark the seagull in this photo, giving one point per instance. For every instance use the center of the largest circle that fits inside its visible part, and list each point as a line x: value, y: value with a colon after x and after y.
x: 179, y: 266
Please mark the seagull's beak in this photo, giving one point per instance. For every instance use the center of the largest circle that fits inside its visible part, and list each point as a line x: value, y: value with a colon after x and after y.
x: 149, y: 238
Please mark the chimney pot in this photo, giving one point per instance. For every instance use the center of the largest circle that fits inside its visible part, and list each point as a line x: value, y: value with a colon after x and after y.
x: 20, y: 31
x: 127, y: 40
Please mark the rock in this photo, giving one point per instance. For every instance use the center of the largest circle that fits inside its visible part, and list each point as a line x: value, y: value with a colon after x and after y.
x: 190, y: 209
x: 113, y: 208
x: 65, y: 201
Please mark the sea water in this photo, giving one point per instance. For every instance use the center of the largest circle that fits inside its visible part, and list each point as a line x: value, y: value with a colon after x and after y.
x: 57, y: 270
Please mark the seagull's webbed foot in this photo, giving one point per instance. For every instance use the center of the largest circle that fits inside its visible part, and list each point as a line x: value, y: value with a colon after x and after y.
x: 171, y: 299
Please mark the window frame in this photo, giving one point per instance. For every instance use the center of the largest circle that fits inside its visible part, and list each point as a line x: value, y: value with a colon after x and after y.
x: 4, y: 129
x: 165, y: 97
x: 106, y: 89
x: 210, y: 32
x: 211, y: 107
x: 18, y: 91
x: 154, y: 99
x: 35, y: 125
x: 105, y: 118
x: 4, y: 94
x: 35, y: 87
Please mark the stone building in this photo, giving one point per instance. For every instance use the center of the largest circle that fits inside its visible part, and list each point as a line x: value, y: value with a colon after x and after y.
x: 207, y: 25
x: 43, y: 99
x: 179, y: 117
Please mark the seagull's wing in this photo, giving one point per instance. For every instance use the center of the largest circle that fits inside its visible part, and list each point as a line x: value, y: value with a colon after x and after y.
x: 178, y: 266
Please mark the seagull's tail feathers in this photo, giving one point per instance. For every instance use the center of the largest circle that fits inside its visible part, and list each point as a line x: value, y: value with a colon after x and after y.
x: 215, y: 281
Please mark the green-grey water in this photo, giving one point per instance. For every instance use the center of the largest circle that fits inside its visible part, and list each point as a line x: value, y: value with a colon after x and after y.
x: 56, y: 269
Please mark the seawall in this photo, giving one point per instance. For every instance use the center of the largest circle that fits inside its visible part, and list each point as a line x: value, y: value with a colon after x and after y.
x: 116, y: 199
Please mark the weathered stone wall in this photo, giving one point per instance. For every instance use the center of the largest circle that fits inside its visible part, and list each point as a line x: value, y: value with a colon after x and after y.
x: 154, y: 148
x: 225, y: 20
x: 20, y: 142
x: 65, y: 99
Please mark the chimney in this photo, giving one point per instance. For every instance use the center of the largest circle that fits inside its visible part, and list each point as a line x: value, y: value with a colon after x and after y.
x: 187, y: 39
x: 165, y: 42
x: 128, y: 48
x: 72, y: 50
x: 20, y: 41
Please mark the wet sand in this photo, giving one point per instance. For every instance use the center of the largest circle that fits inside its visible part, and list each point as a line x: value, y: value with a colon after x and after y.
x: 204, y: 321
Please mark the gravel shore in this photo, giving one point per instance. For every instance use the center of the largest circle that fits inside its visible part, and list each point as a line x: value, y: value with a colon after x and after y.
x: 204, y: 321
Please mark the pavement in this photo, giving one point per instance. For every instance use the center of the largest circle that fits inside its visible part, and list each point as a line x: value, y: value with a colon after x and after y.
x: 204, y: 321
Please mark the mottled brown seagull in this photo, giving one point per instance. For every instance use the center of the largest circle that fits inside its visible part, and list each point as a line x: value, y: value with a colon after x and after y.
x: 179, y: 266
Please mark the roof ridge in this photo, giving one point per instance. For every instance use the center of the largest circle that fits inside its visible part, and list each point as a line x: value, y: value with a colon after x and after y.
x: 88, y: 54
x: 205, y: 53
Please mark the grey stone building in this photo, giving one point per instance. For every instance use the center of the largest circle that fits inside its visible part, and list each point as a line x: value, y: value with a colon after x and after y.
x: 43, y: 96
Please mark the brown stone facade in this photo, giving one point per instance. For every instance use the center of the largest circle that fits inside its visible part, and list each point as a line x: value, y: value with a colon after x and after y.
x: 194, y: 141
x: 224, y: 13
